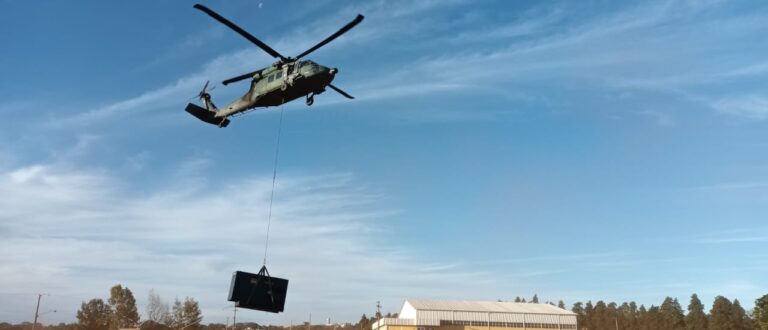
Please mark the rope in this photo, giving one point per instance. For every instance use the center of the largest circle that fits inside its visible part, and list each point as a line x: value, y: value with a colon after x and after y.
x: 272, y: 195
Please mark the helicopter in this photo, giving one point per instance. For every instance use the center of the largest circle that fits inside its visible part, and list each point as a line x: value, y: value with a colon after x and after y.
x: 287, y: 79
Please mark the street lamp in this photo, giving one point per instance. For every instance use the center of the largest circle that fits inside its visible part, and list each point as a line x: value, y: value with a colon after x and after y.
x: 37, y: 309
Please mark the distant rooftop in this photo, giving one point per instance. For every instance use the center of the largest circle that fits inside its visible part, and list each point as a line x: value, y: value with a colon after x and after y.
x: 486, y: 306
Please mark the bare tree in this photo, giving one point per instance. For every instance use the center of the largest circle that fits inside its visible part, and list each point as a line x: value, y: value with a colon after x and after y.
x: 157, y: 310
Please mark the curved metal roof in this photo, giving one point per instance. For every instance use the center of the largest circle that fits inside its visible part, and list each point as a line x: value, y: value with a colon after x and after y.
x: 486, y: 306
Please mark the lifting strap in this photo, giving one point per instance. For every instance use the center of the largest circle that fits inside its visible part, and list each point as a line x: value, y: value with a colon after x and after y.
x: 272, y: 194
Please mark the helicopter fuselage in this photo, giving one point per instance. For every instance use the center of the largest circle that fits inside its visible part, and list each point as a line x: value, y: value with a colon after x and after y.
x: 286, y: 80
x: 276, y: 85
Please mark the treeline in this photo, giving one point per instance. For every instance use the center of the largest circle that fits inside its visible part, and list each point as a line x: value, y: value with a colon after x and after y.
x: 119, y: 311
x: 723, y: 315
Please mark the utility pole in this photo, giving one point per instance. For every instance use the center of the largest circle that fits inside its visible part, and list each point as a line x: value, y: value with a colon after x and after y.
x: 37, y: 310
x: 234, y: 317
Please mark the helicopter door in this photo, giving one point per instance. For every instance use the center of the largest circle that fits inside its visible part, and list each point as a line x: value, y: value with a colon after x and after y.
x: 293, y: 73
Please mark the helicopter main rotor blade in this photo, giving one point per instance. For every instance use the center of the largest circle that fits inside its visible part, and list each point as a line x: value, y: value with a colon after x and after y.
x: 240, y: 77
x: 341, y: 31
x: 242, y: 32
x: 343, y: 93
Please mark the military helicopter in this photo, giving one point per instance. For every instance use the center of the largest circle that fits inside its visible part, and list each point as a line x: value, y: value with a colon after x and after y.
x: 286, y: 80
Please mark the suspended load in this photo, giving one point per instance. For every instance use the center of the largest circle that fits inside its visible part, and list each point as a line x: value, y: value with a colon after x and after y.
x: 258, y: 291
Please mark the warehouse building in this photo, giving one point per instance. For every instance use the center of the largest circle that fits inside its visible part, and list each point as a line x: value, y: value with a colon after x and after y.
x: 421, y: 314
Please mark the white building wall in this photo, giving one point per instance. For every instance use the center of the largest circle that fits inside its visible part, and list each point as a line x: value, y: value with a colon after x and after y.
x: 434, y: 315
x: 431, y: 313
x: 407, y: 312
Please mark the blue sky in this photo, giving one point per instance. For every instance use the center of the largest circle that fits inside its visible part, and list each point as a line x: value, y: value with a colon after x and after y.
x: 577, y: 150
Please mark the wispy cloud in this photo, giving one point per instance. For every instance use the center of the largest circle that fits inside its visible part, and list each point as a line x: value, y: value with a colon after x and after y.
x: 735, y: 235
x: 729, y: 186
x: 77, y: 231
x: 750, y: 106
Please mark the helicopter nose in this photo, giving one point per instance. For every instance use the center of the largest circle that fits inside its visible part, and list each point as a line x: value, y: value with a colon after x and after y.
x: 333, y: 71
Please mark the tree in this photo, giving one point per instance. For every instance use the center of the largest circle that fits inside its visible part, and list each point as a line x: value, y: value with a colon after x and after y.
x: 535, y: 299
x: 95, y: 315
x: 589, y: 315
x: 581, y: 318
x: 720, y: 314
x: 517, y: 299
x: 642, y: 316
x: 561, y: 304
x: 739, y: 318
x: 364, y: 323
x: 671, y: 314
x: 760, y: 313
x: 157, y: 309
x: 124, y: 313
x: 696, y: 318
x: 653, y: 319
x: 186, y: 315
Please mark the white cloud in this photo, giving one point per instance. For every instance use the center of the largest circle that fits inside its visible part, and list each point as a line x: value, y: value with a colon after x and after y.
x: 751, y: 106
x: 736, y: 235
x: 75, y: 232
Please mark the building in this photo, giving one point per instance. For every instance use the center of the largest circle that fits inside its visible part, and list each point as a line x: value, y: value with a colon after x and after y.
x: 420, y: 314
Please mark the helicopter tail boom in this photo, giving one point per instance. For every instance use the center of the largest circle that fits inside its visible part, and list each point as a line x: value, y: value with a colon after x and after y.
x: 206, y: 115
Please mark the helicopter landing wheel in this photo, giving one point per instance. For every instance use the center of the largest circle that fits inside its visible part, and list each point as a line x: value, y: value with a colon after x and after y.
x: 310, y: 100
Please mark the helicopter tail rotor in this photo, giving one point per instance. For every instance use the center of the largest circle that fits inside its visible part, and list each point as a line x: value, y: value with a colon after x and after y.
x: 204, y: 92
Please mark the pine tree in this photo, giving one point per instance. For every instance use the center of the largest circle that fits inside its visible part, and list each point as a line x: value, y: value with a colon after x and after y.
x: 589, y: 315
x: 581, y: 319
x: 517, y: 299
x: 739, y: 318
x: 653, y: 320
x: 635, y: 315
x: 561, y: 304
x: 186, y: 314
x: 123, y: 305
x: 760, y: 313
x: 623, y: 316
x: 364, y: 323
x: 603, y: 316
x: 535, y: 299
x: 192, y: 314
x: 671, y: 313
x: 642, y: 316
x: 95, y: 315
x: 696, y: 318
x: 720, y: 314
